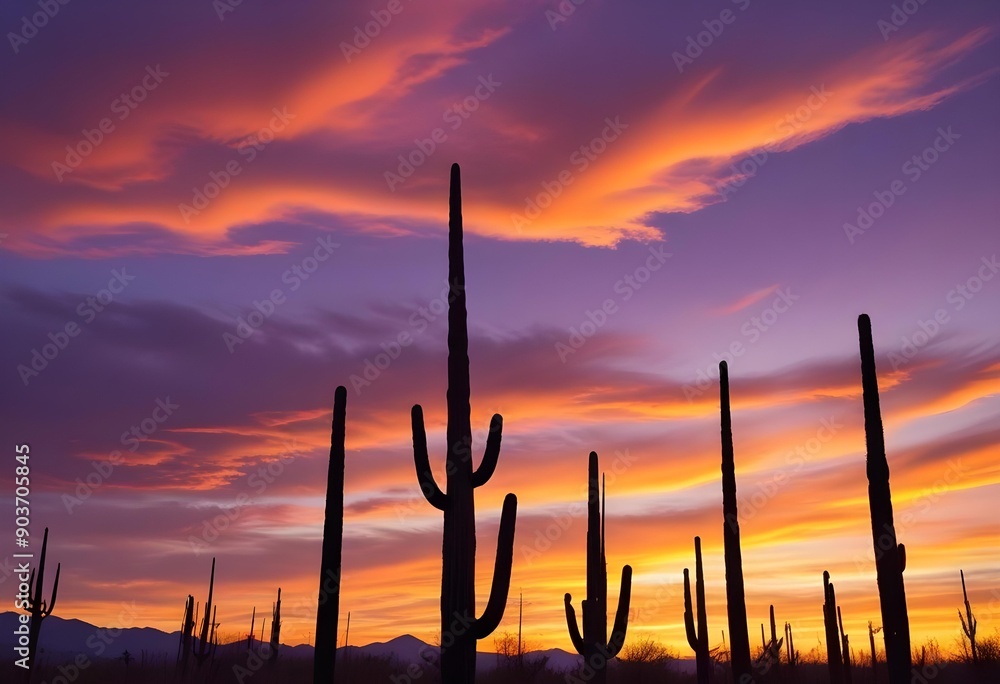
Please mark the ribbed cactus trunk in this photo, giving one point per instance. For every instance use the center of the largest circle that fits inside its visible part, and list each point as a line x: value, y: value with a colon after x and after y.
x: 593, y: 644
x: 460, y: 629
x: 37, y: 607
x: 697, y: 640
x: 833, y: 657
x: 739, y: 636
x: 328, y: 612
x: 890, y: 557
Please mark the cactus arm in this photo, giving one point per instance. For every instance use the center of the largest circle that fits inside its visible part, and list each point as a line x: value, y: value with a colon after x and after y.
x: 55, y: 590
x: 493, y: 613
x: 489, y: 463
x: 617, y: 639
x: 574, y: 630
x: 425, y: 477
x: 902, y: 557
x: 692, y: 637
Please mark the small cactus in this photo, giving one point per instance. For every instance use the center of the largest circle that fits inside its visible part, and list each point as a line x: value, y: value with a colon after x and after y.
x: 206, y: 639
x: 969, y: 622
x: 845, y: 647
x: 187, y: 632
x: 593, y: 644
x: 697, y: 640
x: 36, y: 605
x: 275, y: 629
x: 834, y: 661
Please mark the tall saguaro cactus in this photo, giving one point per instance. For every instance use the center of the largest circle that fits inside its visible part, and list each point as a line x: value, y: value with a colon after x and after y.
x: 460, y: 629
x: 739, y: 637
x: 969, y: 622
x: 890, y: 557
x: 37, y: 608
x: 698, y: 641
x: 328, y: 613
x: 834, y: 660
x: 593, y: 644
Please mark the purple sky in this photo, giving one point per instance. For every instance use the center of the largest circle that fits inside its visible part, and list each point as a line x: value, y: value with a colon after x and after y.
x: 743, y: 165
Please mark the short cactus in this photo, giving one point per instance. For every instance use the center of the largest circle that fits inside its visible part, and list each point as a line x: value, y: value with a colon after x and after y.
x: 697, y: 640
x: 593, y: 644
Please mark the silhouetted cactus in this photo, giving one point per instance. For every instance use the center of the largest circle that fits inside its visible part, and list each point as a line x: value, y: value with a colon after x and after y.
x: 772, y: 649
x: 845, y: 648
x: 206, y: 639
x: 253, y: 619
x: 37, y: 607
x: 187, y: 632
x: 698, y: 641
x: 871, y: 638
x: 834, y: 660
x: 328, y: 613
x: 890, y: 557
x: 969, y: 622
x: 276, y: 629
x: 594, y: 645
x: 790, y: 655
x: 735, y: 598
x: 460, y: 629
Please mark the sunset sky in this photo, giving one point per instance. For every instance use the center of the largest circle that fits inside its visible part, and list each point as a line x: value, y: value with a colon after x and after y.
x: 649, y: 188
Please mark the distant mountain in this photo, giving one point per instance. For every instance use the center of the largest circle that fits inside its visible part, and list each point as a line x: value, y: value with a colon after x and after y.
x: 63, y: 639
